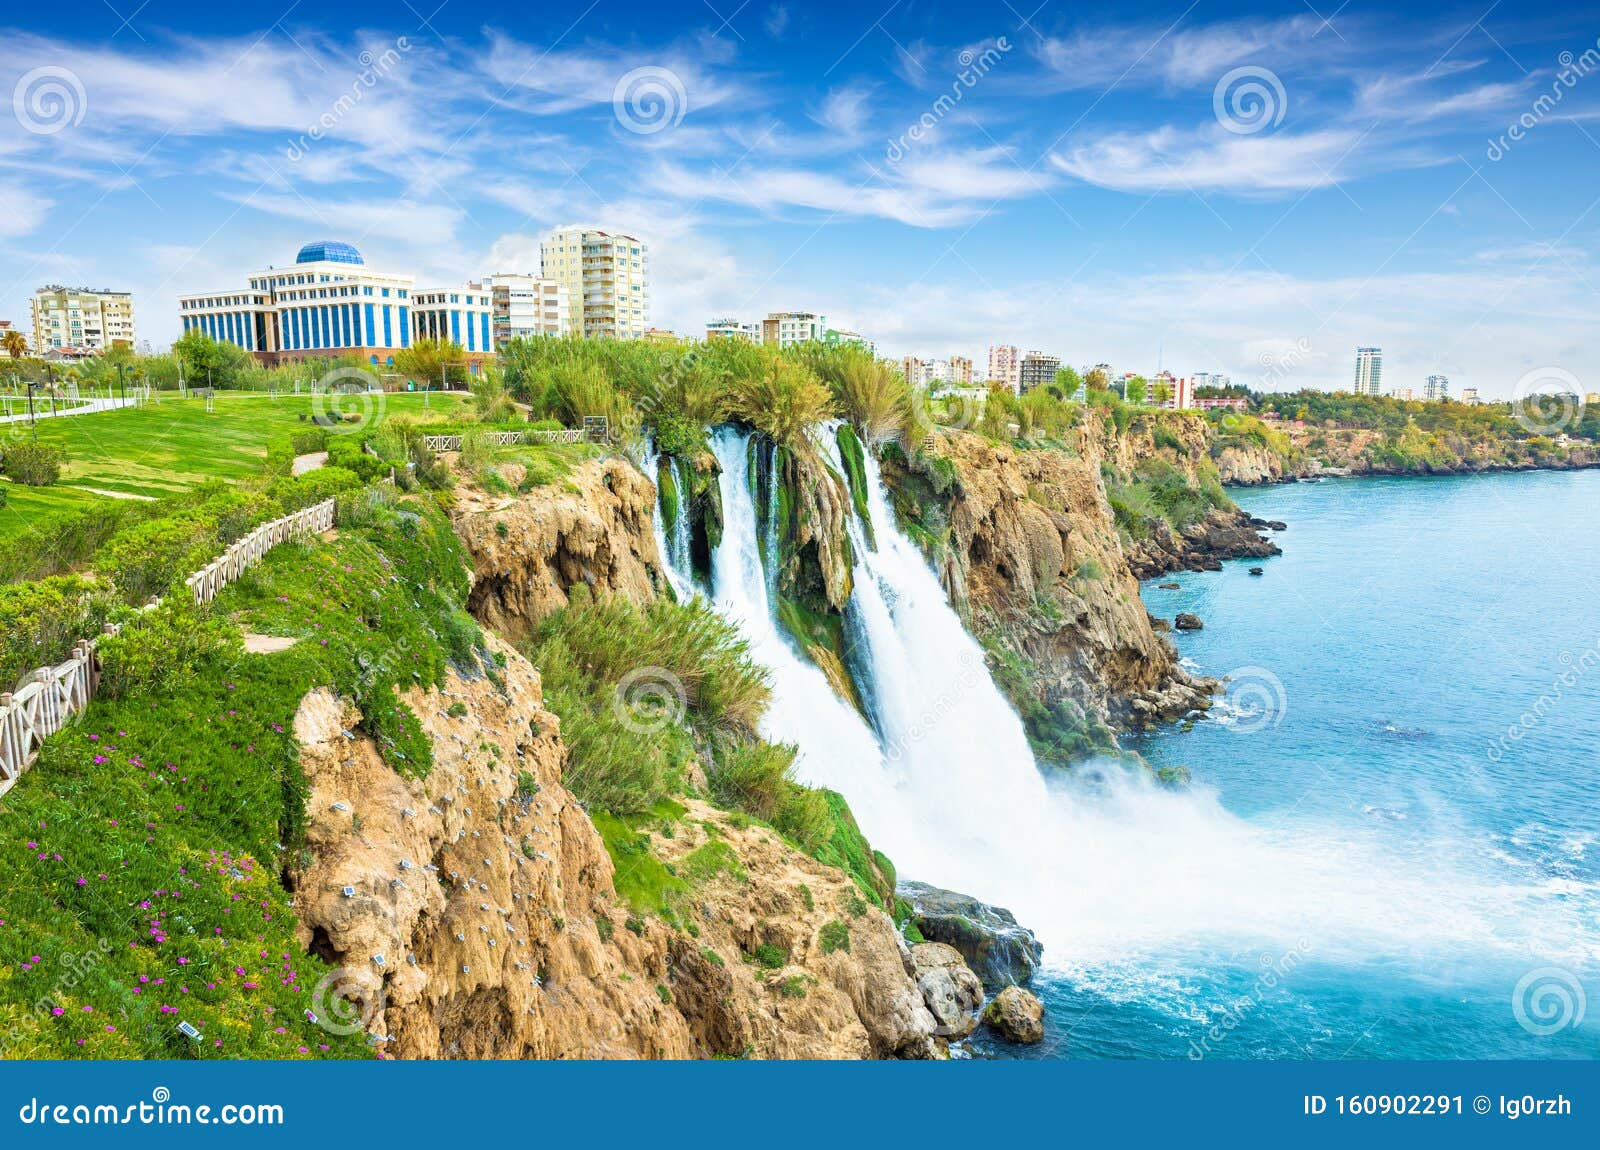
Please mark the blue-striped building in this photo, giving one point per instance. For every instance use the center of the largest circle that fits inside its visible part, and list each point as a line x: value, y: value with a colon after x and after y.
x: 328, y: 303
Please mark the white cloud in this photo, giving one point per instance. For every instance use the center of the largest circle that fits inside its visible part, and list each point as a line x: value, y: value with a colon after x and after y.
x: 21, y: 210
x: 1212, y: 159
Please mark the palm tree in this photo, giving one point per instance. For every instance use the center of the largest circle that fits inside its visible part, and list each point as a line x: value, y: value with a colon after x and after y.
x: 15, y: 343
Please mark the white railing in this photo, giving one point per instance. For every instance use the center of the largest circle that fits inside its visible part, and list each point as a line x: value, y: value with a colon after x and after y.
x: 504, y: 439
x: 43, y: 706
x: 250, y: 550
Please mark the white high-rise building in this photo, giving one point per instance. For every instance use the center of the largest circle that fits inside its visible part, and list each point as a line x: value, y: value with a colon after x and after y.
x: 1369, y: 371
x: 787, y: 328
x: 526, y: 306
x: 1437, y: 387
x: 607, y: 280
x: 82, y: 321
x: 1005, y: 367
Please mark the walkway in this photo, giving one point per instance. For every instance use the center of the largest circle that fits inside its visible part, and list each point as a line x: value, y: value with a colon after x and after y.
x: 41, y: 408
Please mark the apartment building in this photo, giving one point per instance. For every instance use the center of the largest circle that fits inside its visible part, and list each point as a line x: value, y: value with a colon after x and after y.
x: 787, y: 328
x: 960, y: 371
x: 607, y: 280
x: 1005, y: 367
x: 80, y: 320
x: 1436, y: 387
x: 730, y: 328
x: 526, y: 307
x: 1036, y: 370
x: 1369, y: 371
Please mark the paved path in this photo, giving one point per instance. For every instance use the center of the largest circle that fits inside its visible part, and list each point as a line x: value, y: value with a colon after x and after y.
x: 308, y: 462
x: 41, y: 408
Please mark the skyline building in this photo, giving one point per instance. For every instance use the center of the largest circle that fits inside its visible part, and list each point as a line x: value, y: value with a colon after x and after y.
x: 607, y: 280
x: 1369, y: 371
x: 80, y: 320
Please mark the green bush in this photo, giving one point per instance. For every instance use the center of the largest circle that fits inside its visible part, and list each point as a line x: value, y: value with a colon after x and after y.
x: 150, y: 559
x: 33, y: 464
x: 40, y: 621
x: 296, y: 492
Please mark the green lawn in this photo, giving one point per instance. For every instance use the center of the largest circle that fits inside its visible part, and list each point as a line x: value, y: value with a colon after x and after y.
x: 167, y: 447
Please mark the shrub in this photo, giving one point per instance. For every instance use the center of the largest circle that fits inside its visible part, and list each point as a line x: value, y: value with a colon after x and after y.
x: 148, y: 560
x: 39, y: 622
x: 293, y: 493
x: 162, y: 650
x: 834, y: 936
x: 34, y: 464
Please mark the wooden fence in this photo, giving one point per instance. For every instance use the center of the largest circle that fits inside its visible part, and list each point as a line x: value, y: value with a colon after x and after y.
x: 250, y: 550
x: 43, y: 706
x: 52, y: 695
x: 504, y: 439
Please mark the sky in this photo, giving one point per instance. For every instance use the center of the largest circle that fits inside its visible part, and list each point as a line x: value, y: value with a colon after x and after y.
x: 1202, y: 186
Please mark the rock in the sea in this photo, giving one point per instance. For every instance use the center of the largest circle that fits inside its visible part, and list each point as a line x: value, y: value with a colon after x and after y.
x: 951, y: 991
x: 998, y: 950
x: 1015, y: 1015
x: 1170, y: 586
x: 1256, y: 571
x: 1184, y: 621
x: 1159, y: 624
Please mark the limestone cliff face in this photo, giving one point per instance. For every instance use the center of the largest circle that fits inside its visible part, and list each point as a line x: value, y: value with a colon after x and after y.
x: 1034, y: 560
x: 528, y: 550
x: 1186, y: 442
x: 464, y: 909
x: 473, y: 913
x: 1250, y: 465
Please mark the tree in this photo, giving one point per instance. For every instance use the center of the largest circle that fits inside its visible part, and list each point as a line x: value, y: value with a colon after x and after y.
x: 210, y: 362
x: 1136, y: 389
x: 1161, y: 393
x: 427, y: 361
x: 1097, y: 380
x: 15, y: 343
x: 1067, y: 382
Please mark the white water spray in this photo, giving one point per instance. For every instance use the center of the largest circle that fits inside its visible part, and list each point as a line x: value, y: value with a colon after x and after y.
x: 1124, y: 881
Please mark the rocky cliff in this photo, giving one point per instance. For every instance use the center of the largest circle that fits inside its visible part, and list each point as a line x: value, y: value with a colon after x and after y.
x: 1030, y: 552
x: 530, y: 548
x: 472, y: 914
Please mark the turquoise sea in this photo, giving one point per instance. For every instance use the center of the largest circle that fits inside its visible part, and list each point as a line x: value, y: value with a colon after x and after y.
x: 1391, y: 844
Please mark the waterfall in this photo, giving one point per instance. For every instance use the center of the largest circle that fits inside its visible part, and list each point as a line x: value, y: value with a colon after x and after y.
x: 1124, y: 881
x: 836, y: 747
x: 674, y: 552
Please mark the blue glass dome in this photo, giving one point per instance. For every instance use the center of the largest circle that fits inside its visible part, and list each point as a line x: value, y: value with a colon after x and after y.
x: 334, y: 251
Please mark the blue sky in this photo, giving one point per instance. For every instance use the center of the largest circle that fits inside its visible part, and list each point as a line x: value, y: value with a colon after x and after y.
x: 1250, y: 189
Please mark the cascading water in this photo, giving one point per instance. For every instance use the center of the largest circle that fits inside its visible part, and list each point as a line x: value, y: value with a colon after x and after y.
x: 1109, y: 868
x: 674, y: 552
x: 1162, y: 900
x: 837, y: 749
